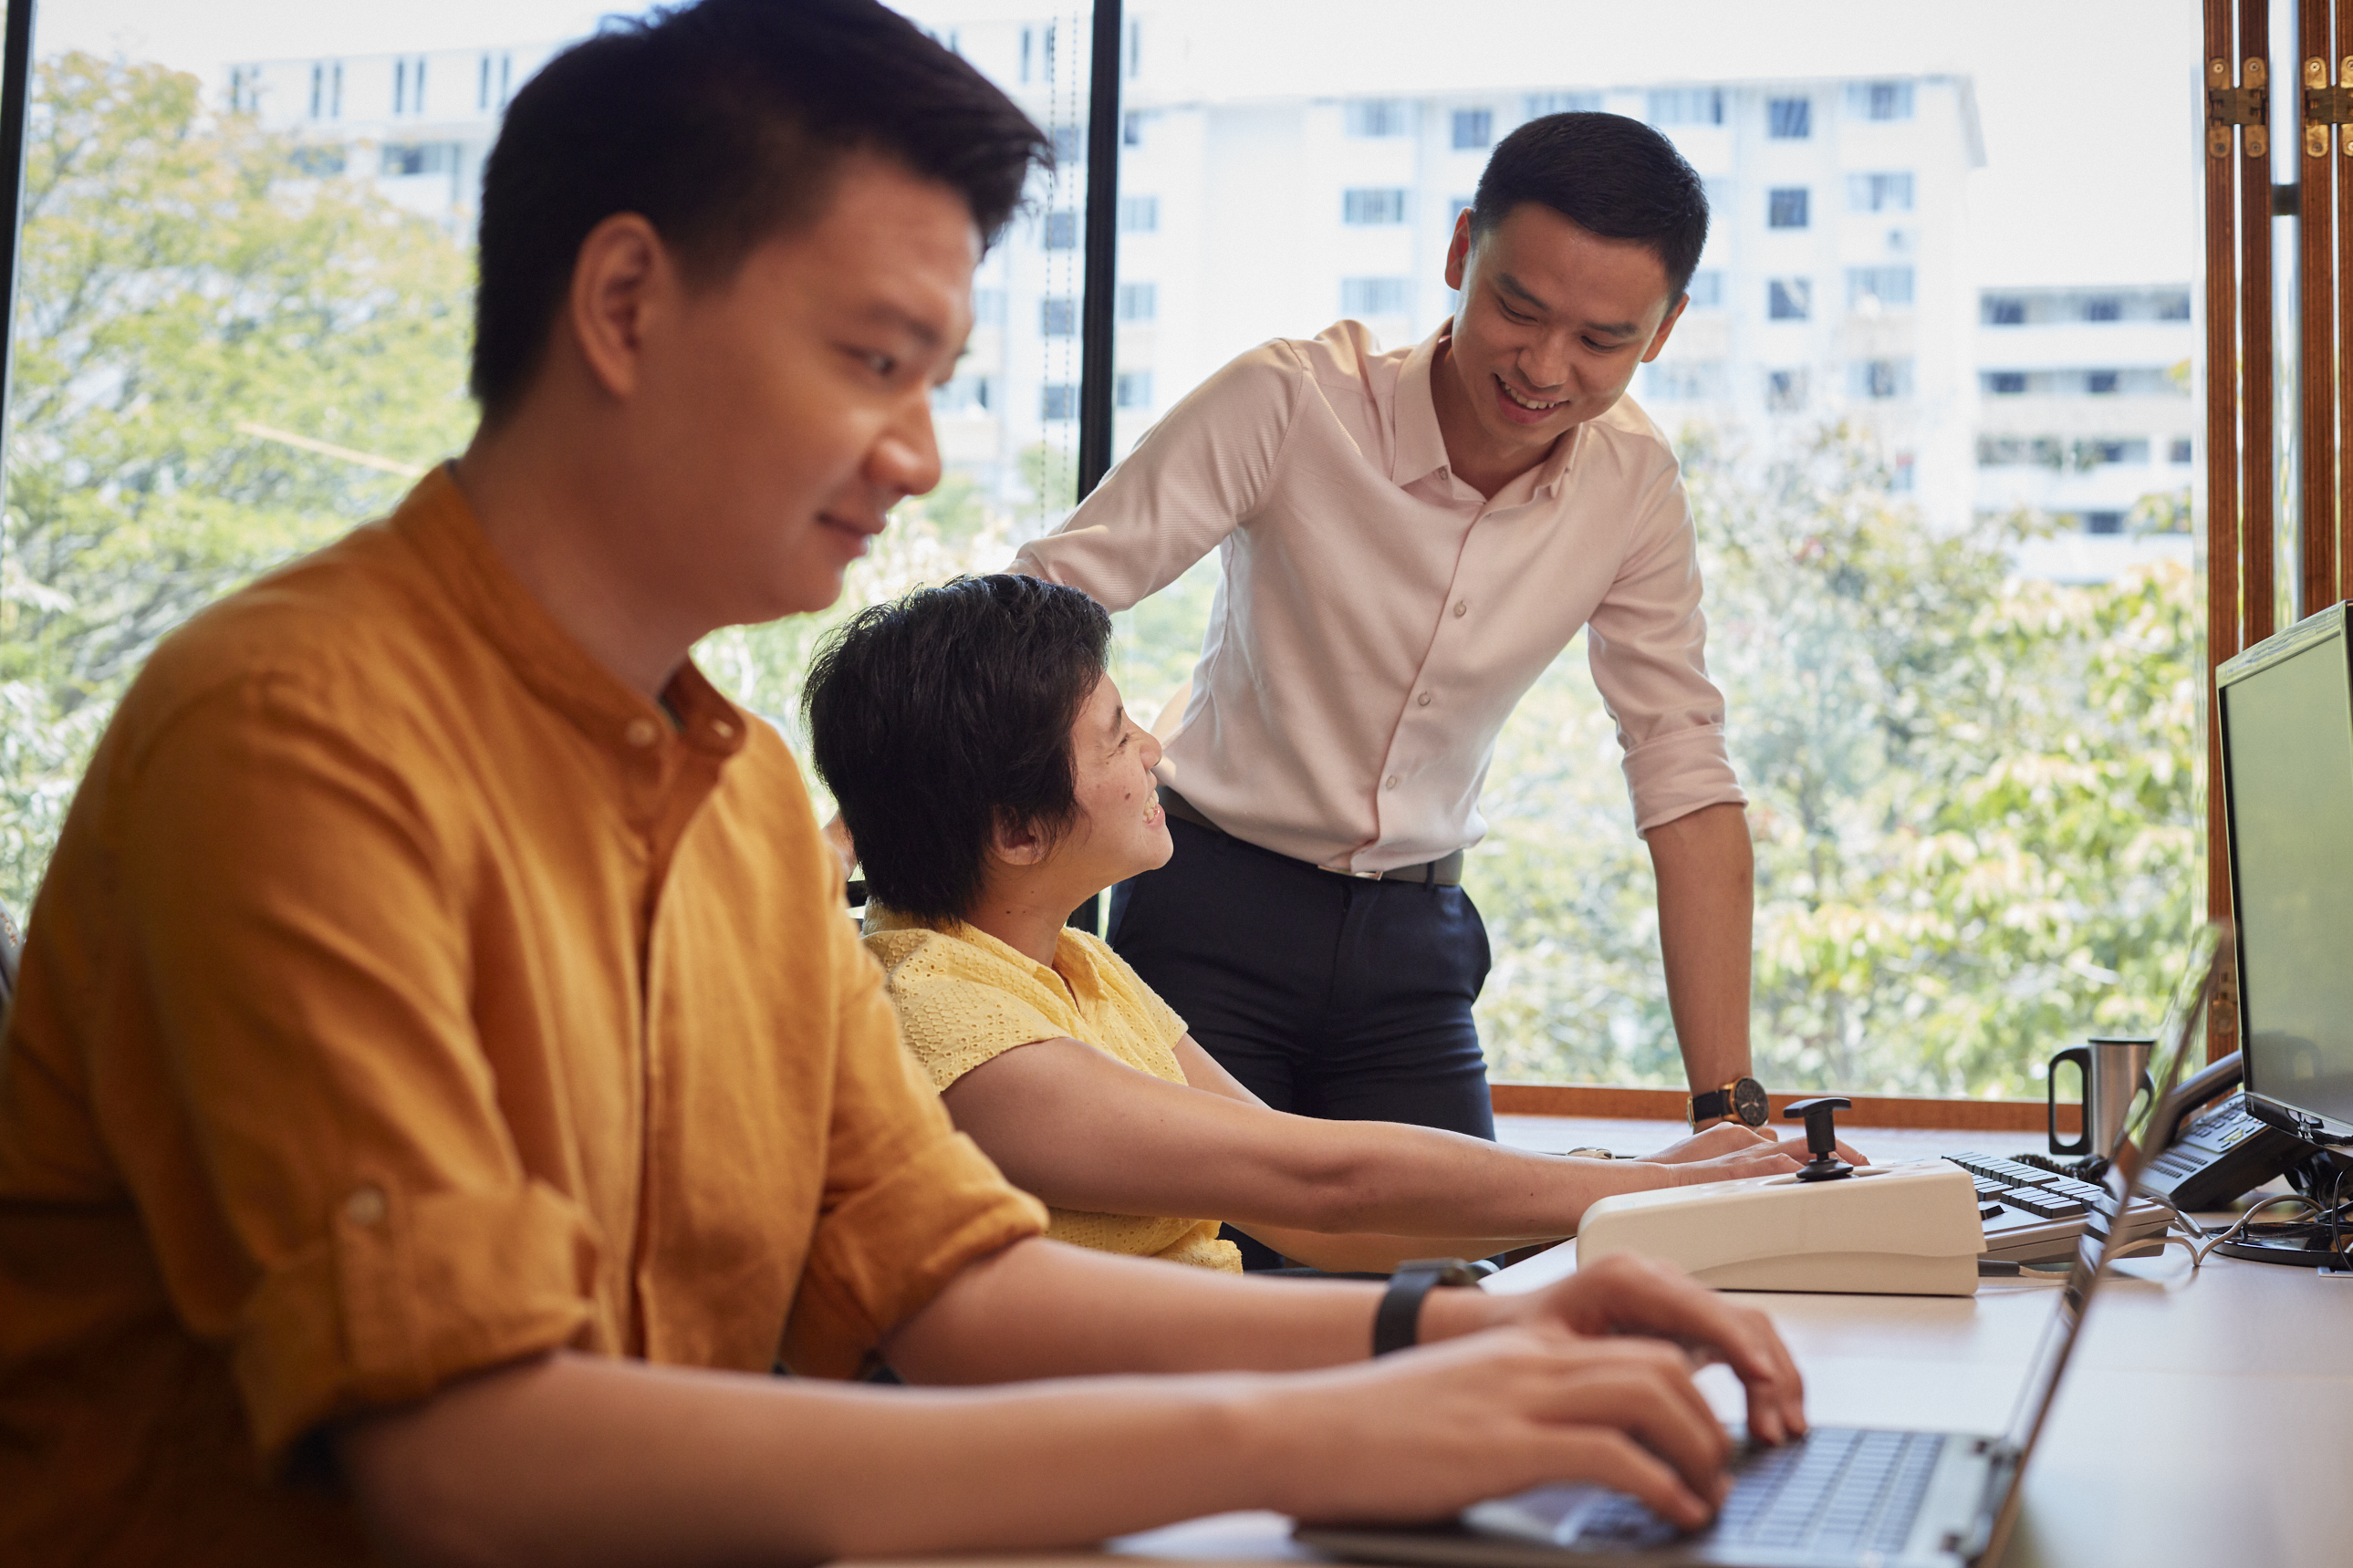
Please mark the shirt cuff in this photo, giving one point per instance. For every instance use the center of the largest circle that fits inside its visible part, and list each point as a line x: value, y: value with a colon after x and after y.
x: 407, y: 1292
x: 883, y: 1255
x: 1676, y: 773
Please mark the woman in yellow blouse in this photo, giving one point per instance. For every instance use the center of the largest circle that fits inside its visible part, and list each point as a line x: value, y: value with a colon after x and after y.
x: 992, y: 783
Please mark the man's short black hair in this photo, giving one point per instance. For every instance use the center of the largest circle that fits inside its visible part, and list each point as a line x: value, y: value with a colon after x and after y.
x: 1606, y: 174
x: 937, y: 716
x: 721, y: 124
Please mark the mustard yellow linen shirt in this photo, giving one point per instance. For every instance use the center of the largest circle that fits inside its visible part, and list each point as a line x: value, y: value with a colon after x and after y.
x: 964, y: 997
x: 408, y: 996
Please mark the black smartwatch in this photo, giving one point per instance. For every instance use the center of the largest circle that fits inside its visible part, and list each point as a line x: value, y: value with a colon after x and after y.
x: 1398, y: 1323
x: 1743, y: 1099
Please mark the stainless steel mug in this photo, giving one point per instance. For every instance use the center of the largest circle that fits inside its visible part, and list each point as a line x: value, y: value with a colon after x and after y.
x: 2116, y: 1073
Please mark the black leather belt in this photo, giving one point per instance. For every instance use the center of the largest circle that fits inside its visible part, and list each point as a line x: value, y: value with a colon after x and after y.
x: 1446, y: 871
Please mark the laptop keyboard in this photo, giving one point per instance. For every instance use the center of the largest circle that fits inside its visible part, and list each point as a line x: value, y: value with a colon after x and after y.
x: 1838, y: 1489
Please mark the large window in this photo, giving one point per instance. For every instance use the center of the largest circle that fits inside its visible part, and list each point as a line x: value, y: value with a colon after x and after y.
x: 1945, y: 497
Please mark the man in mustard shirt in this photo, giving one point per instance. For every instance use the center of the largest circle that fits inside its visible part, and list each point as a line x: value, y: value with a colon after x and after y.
x: 442, y: 1085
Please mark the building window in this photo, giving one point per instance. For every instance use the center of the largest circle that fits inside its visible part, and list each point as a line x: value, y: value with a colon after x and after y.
x: 1706, y: 289
x: 1689, y: 380
x: 1789, y: 299
x: 1785, y: 390
x: 1473, y: 127
x: 989, y: 306
x: 1139, y: 214
x: 2104, y: 522
x: 1069, y: 146
x: 1539, y: 104
x: 1133, y: 389
x: 2173, y: 306
x: 1879, y: 99
x: 408, y: 86
x: 2104, y: 308
x: 1372, y: 206
x: 318, y: 92
x: 1139, y: 301
x: 245, y: 88
x: 1061, y: 401
x: 964, y: 394
x: 1377, y: 117
x: 2004, y: 311
x: 1025, y: 54
x: 1786, y: 207
x: 1058, y: 316
x: 2100, y: 383
x: 1134, y: 50
x: 1361, y: 296
x: 497, y: 77
x: 1686, y: 106
x: 319, y: 163
x: 1882, y: 378
x: 1879, y: 192
x: 1131, y: 129
x: 1877, y: 287
x: 2005, y: 383
x: 2179, y: 451
x: 1907, y: 468
x: 1062, y: 230
x: 1789, y: 118
x: 419, y: 157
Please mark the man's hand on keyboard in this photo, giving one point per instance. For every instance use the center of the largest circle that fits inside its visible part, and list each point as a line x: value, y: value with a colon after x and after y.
x: 1629, y: 1296
x: 1416, y: 1436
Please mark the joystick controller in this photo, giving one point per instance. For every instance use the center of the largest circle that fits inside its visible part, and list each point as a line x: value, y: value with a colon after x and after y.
x: 1821, y: 1137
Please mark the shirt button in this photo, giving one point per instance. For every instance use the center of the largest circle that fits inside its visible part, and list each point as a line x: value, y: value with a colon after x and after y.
x: 1462, y: 609
x: 1422, y: 701
x: 364, y: 1207
x: 640, y: 732
x: 1390, y: 782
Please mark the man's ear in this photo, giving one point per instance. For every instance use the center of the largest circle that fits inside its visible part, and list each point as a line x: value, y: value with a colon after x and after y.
x: 1016, y: 843
x: 1659, y: 338
x: 1457, y: 250
x: 622, y: 275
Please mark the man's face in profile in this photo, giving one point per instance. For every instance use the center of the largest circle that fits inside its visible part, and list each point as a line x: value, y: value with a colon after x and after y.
x: 1554, y: 321
x: 793, y: 400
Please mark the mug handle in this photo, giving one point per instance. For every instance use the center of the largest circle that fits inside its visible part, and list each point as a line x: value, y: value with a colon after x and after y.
x: 2082, y: 1056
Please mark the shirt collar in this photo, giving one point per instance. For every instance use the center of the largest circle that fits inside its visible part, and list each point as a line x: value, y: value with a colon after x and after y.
x: 440, y: 526
x: 1072, y: 976
x: 1419, y: 446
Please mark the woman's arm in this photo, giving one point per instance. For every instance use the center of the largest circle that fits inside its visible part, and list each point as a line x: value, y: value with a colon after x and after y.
x: 1084, y: 1132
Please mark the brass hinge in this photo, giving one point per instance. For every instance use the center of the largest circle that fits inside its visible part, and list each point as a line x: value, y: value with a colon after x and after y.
x: 2248, y: 106
x: 2325, y: 106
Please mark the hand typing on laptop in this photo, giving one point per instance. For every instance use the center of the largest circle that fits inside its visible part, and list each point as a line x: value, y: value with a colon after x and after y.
x: 1592, y: 1379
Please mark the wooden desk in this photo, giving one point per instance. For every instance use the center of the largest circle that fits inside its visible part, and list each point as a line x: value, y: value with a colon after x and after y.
x: 2205, y: 1422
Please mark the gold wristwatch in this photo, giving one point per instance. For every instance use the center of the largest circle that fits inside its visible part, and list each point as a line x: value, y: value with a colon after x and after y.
x: 1743, y: 1099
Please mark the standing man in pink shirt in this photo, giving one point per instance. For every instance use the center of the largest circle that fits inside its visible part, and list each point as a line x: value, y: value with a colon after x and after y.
x: 1409, y: 538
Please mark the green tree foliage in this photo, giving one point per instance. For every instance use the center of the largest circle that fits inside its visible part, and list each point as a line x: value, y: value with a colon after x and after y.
x: 182, y: 279
x: 1972, y: 797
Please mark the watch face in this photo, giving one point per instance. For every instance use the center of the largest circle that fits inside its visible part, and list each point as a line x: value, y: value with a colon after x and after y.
x: 1748, y: 1103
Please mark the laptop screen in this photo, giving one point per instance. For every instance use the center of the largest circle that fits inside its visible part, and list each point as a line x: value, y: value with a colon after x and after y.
x: 2103, y: 1238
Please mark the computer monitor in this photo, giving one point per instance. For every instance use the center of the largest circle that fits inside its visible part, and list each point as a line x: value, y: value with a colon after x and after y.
x: 2286, y: 729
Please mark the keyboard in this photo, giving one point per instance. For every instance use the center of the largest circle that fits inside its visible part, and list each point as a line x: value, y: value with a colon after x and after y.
x: 2032, y: 1214
x: 1837, y: 1492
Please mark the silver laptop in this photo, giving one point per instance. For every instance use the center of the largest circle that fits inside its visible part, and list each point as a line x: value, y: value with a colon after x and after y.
x: 1840, y: 1496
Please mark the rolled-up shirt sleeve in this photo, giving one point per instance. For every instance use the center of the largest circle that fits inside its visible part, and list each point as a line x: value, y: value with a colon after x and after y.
x: 1196, y: 477
x: 1646, y: 644
x: 307, y: 974
x: 909, y: 1201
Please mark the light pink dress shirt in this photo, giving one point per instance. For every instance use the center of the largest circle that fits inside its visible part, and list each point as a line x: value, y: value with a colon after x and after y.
x: 1377, y: 618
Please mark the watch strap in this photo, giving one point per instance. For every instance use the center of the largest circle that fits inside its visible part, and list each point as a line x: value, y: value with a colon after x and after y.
x: 1397, y: 1323
x: 1707, y: 1107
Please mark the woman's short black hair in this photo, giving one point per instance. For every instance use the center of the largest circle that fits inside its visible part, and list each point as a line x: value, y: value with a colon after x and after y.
x: 721, y: 124
x: 1606, y: 174
x: 939, y: 715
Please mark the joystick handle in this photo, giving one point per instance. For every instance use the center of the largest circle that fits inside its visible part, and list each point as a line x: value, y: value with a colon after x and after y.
x: 1819, y: 1115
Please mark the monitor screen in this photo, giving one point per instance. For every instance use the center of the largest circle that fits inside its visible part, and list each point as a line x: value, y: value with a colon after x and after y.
x: 2287, y: 734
